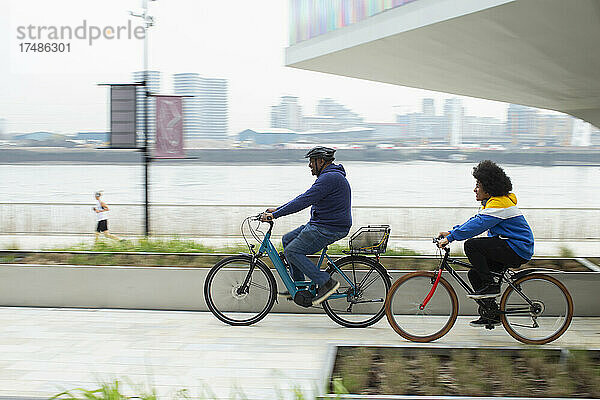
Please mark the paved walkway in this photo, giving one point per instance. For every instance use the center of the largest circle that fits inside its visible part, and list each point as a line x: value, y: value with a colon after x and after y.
x: 44, y: 351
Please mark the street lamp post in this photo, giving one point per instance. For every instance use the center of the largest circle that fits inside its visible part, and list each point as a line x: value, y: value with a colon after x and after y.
x: 148, y: 22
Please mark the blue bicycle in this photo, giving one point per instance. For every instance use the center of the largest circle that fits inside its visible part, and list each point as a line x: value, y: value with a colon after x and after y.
x: 241, y: 289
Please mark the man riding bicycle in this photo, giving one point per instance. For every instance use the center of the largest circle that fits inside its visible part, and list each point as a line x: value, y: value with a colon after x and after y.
x: 509, y: 241
x: 330, y: 220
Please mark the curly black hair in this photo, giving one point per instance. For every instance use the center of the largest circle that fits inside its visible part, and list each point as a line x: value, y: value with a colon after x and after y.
x: 492, y: 178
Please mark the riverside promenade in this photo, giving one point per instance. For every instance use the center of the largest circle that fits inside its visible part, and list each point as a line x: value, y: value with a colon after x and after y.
x: 44, y: 351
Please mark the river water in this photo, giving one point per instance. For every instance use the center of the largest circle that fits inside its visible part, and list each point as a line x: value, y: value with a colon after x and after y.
x: 418, y: 183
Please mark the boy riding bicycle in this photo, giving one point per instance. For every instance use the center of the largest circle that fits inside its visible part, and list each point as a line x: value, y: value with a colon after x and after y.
x: 509, y: 241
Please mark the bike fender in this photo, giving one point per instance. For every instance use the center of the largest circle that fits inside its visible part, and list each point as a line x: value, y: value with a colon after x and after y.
x: 359, y: 258
x: 529, y: 271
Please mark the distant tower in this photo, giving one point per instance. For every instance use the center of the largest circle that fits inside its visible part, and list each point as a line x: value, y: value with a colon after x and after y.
x: 205, y: 114
x: 344, y: 117
x: 428, y: 107
x: 3, y: 133
x: 188, y: 84
x: 521, y: 125
x: 287, y: 114
x: 582, y: 133
x: 213, y: 94
x: 453, y: 121
x: 153, y: 87
x: 428, y: 127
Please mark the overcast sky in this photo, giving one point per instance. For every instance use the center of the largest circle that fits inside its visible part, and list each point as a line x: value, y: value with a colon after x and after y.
x: 240, y: 40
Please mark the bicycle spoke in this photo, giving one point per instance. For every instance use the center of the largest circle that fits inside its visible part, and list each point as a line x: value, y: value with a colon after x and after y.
x: 253, y: 284
x: 362, y: 281
x: 404, y: 313
x: 364, y: 284
x: 547, y: 315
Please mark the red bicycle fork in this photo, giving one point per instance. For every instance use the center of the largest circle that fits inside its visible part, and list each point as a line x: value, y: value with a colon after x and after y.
x: 432, y: 290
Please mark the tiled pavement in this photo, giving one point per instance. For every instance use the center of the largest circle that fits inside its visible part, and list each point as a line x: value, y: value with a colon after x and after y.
x: 45, y: 351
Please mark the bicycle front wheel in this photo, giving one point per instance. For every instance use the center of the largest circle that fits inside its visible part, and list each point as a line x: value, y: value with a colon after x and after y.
x: 232, y: 303
x: 403, y: 307
x: 360, y: 300
x: 541, y: 313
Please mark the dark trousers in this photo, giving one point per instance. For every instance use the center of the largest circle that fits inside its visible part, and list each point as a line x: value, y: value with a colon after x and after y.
x: 489, y: 254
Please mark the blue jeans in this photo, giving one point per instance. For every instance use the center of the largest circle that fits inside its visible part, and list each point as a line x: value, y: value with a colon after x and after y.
x: 304, y: 240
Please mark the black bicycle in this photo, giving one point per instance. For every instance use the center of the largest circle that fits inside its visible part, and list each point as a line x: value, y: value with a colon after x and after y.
x: 535, y: 308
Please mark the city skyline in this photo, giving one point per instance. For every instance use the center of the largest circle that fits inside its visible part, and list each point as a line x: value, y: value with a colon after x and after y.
x: 333, y: 122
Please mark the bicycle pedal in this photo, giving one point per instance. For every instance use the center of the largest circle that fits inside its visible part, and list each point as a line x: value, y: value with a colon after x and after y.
x: 490, y: 326
x: 286, y: 295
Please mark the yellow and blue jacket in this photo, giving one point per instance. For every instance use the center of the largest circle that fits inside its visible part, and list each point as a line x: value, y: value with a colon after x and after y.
x: 500, y: 217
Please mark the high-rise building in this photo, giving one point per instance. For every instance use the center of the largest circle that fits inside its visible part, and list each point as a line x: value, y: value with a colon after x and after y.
x: 483, y: 131
x: 205, y: 111
x: 521, y: 125
x: 215, y: 111
x: 343, y: 115
x: 554, y: 129
x: 428, y: 107
x: 452, y: 123
x: 3, y: 133
x: 582, y: 133
x: 153, y: 83
x: 595, y: 136
x: 287, y: 114
x: 188, y: 85
x: 429, y: 123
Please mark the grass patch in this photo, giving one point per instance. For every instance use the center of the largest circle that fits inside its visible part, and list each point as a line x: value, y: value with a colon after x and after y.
x: 468, y: 372
x: 177, y: 245
x: 566, y: 252
x: 185, y: 246
x: 337, y: 248
x: 106, y: 391
x: 117, y: 391
x: 169, y: 245
x: 354, y: 369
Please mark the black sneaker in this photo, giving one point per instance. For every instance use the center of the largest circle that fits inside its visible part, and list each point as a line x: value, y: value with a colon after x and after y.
x: 486, y: 292
x: 325, y: 290
x: 483, y: 322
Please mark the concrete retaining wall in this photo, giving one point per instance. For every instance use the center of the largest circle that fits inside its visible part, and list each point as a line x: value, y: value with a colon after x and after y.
x: 171, y: 288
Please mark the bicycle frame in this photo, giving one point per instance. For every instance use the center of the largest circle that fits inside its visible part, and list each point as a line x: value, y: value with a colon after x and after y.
x: 445, y: 265
x: 292, y: 286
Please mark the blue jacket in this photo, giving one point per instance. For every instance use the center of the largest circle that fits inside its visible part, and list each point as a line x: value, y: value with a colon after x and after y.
x: 329, y: 197
x: 500, y: 217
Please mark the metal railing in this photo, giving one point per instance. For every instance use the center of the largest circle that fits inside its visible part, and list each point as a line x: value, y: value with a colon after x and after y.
x: 209, y: 220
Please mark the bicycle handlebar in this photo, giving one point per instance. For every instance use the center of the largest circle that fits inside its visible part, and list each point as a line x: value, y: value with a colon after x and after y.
x: 258, y: 217
x: 436, y: 240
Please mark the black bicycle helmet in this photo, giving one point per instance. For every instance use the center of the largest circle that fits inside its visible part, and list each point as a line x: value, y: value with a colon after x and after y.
x: 325, y: 153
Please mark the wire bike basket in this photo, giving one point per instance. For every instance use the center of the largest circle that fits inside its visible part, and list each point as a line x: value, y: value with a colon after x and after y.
x: 371, y: 239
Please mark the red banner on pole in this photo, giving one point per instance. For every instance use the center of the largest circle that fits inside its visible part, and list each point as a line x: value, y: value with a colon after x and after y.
x: 169, y: 127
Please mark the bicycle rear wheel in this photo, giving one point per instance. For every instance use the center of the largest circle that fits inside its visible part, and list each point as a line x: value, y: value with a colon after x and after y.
x: 402, y: 307
x: 364, y: 284
x: 546, y: 318
x: 235, y: 305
